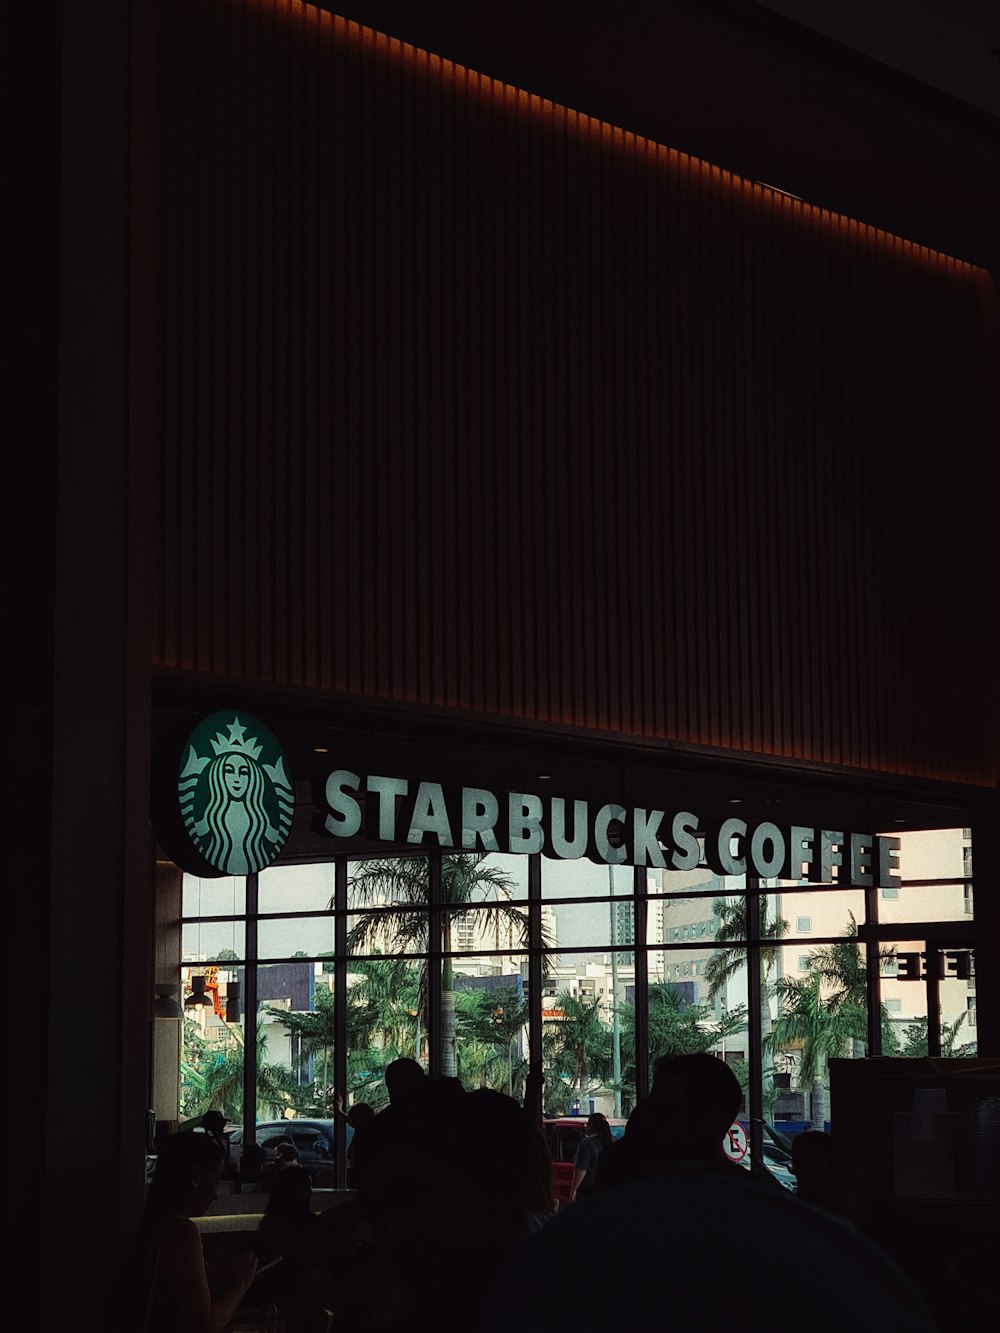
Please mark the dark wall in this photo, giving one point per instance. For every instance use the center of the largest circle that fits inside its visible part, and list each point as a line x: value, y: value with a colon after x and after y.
x: 470, y: 401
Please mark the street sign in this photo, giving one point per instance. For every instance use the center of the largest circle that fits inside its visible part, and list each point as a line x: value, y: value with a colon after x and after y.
x: 735, y: 1143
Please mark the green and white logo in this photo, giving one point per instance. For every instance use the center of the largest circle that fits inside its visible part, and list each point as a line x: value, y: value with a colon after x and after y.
x: 235, y: 794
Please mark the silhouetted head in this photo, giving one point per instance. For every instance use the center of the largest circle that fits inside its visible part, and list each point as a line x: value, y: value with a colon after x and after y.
x: 360, y: 1114
x: 187, y: 1171
x: 404, y: 1079
x: 251, y: 1161
x: 520, y: 1168
x: 598, y: 1124
x: 812, y: 1164
x: 696, y: 1099
x: 291, y: 1192
x: 213, y: 1122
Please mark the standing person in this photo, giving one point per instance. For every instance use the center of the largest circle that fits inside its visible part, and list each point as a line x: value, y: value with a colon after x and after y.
x: 595, y: 1140
x: 168, y: 1272
x: 214, y: 1124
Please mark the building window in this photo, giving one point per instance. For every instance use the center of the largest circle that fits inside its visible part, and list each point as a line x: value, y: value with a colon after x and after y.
x: 893, y: 1006
x: 805, y: 962
x: 890, y: 895
x: 803, y: 924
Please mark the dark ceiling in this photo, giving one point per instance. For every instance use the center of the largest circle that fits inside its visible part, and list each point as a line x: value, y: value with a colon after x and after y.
x: 746, y: 88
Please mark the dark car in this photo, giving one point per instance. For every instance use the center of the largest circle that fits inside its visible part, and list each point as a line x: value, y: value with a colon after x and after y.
x: 312, y: 1139
x: 563, y: 1135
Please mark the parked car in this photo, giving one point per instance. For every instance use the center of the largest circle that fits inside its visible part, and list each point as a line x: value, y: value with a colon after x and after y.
x: 313, y: 1140
x: 563, y: 1135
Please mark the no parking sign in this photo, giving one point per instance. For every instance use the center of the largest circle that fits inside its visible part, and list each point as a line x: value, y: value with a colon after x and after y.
x: 735, y: 1143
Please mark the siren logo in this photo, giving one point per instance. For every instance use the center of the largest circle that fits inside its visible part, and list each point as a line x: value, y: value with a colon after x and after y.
x: 235, y: 795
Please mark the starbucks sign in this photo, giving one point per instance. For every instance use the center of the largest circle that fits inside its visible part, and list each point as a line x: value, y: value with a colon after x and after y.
x: 234, y: 793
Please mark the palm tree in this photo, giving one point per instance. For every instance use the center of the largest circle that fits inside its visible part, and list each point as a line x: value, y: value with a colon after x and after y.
x: 823, y: 1029
x: 490, y: 1023
x: 727, y: 962
x: 916, y: 1044
x: 841, y: 967
x: 579, y: 1045
x: 220, y: 1083
x: 676, y: 1027
x: 392, y: 887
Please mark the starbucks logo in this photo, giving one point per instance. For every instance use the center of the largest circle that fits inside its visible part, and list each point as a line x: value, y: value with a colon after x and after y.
x: 235, y: 794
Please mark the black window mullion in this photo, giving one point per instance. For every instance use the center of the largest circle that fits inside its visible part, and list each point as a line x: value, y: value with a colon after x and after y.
x: 434, y: 1054
x: 873, y: 977
x: 641, y: 965
x: 533, y: 1086
x: 250, y: 1014
x: 340, y: 1014
x: 755, y: 996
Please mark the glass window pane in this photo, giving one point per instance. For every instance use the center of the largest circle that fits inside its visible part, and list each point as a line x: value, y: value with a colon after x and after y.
x: 959, y: 1035
x: 213, y: 941
x: 584, y: 879
x: 934, y: 853
x: 927, y: 902
x: 225, y: 896
x: 678, y: 883
x: 588, y: 1034
x: 386, y: 1019
x: 304, y: 937
x: 597, y: 925
x: 903, y: 990
x: 694, y: 922
x: 211, y: 1074
x: 906, y: 1026
x: 390, y: 932
x: 295, y: 888
x: 491, y: 1032
x: 295, y: 1032
x: 482, y: 929
x: 492, y: 878
x: 388, y: 881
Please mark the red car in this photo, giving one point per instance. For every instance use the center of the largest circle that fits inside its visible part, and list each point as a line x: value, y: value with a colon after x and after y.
x: 563, y: 1135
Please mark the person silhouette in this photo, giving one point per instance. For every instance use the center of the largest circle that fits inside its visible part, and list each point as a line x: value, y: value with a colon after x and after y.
x: 171, y: 1293
x: 682, y: 1123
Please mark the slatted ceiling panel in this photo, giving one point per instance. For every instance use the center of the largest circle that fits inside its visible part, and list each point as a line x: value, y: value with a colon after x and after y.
x: 473, y: 401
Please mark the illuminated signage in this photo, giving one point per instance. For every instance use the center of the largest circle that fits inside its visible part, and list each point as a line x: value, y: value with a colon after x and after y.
x: 234, y: 793
x: 395, y: 810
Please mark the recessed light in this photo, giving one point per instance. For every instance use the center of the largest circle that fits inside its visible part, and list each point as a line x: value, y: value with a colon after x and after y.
x: 545, y: 777
x: 736, y: 800
x: 320, y: 749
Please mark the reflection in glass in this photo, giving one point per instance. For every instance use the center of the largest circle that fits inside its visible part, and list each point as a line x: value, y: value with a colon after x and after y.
x: 903, y: 986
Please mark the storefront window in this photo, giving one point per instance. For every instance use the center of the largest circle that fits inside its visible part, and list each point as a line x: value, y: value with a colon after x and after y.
x: 441, y: 952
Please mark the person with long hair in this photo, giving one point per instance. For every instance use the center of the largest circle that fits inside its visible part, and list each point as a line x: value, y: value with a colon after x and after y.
x: 595, y: 1140
x: 170, y: 1280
